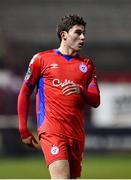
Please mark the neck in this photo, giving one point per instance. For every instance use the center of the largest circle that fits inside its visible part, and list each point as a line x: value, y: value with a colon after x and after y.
x: 67, y: 50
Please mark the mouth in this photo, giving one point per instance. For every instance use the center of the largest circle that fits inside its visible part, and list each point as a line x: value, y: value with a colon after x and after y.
x: 81, y: 44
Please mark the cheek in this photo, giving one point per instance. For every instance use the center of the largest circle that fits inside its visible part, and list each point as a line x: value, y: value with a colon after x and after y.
x: 72, y: 39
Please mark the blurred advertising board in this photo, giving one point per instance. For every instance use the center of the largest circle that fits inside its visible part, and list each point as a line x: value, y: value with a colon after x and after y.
x: 115, y: 108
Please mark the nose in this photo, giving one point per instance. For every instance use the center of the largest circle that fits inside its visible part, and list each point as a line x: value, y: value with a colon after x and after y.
x: 82, y: 36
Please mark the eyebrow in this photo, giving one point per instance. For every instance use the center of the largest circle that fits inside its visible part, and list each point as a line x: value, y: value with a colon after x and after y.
x: 79, y: 30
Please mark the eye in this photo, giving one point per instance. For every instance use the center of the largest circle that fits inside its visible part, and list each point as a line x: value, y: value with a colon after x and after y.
x: 78, y: 32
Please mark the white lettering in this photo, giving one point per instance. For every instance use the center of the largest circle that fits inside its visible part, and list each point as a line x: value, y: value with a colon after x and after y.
x: 57, y: 82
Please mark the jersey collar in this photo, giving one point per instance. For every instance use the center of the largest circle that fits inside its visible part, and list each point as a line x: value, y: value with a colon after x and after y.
x: 67, y: 57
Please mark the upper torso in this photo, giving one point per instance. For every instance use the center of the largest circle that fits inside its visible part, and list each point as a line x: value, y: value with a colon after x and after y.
x: 58, y: 113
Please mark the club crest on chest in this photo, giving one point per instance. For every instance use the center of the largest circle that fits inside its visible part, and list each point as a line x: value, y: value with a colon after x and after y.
x: 83, y: 68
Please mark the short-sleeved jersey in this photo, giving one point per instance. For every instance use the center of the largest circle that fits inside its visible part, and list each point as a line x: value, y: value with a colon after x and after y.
x: 58, y: 113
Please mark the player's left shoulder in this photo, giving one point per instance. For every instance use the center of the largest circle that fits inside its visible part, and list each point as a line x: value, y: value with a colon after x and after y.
x: 88, y: 60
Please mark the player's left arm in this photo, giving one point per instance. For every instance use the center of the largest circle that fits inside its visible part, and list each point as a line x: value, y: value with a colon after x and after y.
x: 92, y: 92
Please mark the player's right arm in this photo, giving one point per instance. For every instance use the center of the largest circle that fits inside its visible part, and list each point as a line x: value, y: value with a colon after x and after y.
x: 26, y: 90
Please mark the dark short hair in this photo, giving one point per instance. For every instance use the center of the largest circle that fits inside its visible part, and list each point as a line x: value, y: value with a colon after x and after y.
x: 67, y: 22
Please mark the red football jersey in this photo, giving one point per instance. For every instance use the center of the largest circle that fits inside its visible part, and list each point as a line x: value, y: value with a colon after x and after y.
x: 58, y: 113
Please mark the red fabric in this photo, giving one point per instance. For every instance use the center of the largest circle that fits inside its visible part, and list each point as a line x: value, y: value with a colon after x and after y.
x: 23, y: 109
x: 59, y: 147
x: 58, y: 113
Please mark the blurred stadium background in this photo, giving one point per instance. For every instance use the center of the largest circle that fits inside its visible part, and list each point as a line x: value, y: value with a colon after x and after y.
x: 28, y: 26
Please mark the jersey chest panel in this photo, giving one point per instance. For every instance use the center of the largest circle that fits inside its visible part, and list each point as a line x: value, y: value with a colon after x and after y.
x: 62, y: 70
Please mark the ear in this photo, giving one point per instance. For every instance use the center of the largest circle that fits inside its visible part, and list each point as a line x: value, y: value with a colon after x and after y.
x: 63, y: 35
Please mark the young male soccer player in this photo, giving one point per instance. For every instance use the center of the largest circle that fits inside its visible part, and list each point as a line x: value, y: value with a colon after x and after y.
x: 65, y: 81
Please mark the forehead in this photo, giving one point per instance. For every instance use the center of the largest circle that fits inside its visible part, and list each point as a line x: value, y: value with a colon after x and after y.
x: 77, y: 27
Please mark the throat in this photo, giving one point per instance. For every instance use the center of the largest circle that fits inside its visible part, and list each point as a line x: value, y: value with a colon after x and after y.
x: 66, y: 56
x: 67, y: 51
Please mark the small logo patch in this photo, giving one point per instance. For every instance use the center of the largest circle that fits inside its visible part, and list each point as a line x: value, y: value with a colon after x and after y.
x: 28, y: 74
x: 54, y: 150
x: 83, y: 68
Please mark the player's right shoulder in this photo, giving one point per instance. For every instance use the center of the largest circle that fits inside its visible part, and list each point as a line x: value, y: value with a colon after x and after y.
x: 45, y: 53
x: 40, y: 56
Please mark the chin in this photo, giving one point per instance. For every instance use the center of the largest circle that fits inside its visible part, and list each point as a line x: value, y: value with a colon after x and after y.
x: 78, y: 49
